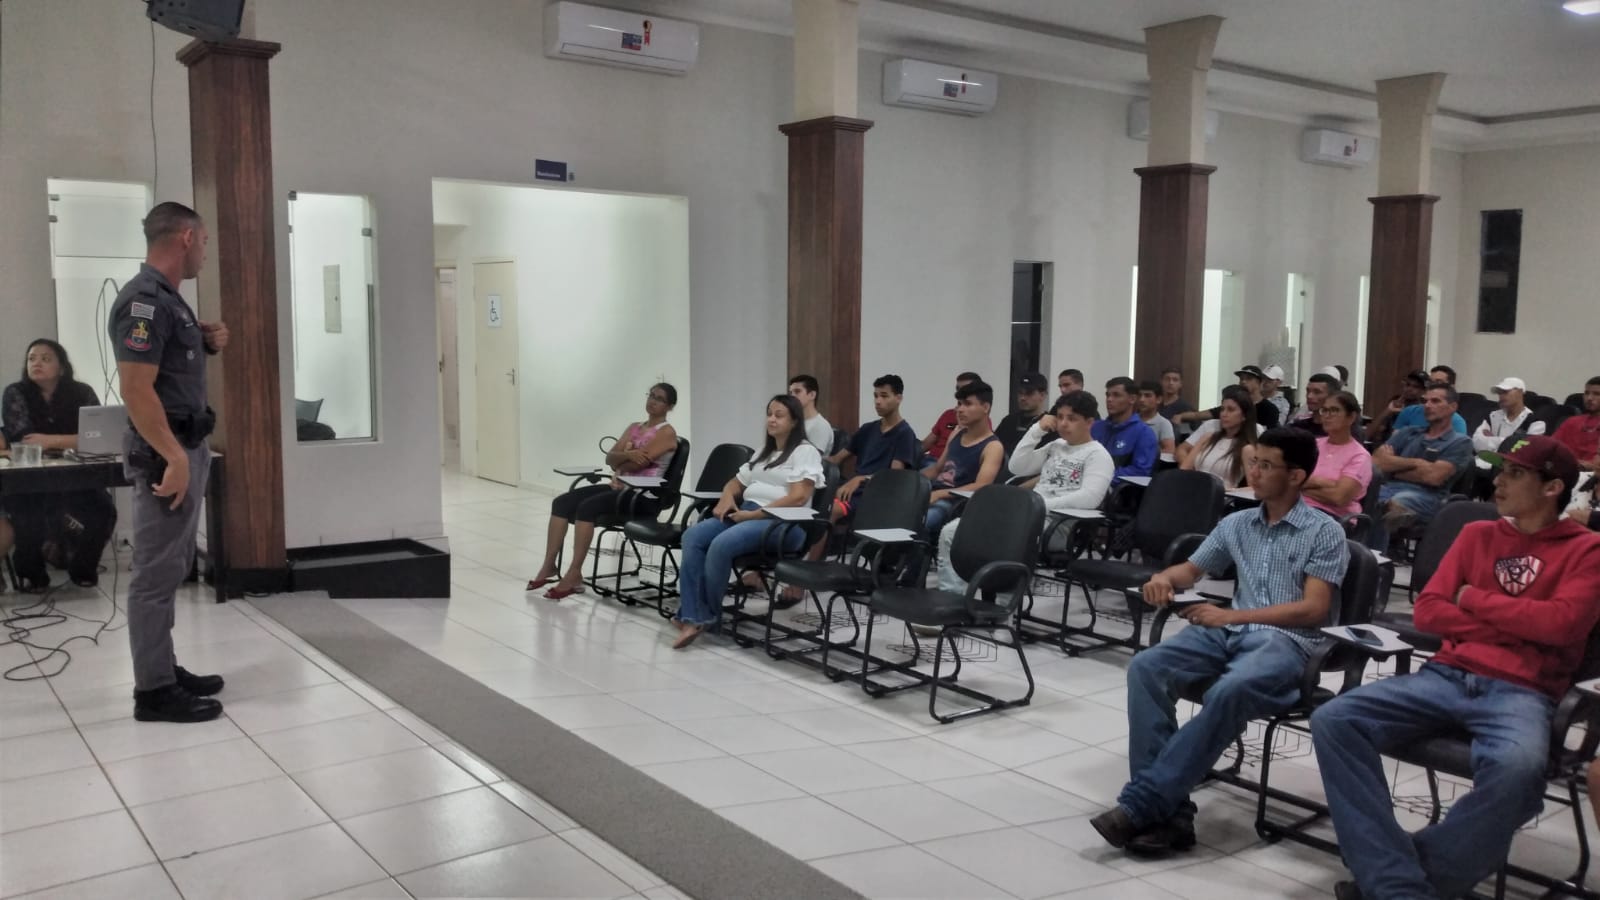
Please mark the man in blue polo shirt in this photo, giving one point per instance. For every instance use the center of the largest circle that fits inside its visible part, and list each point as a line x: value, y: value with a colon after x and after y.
x: 1290, y: 558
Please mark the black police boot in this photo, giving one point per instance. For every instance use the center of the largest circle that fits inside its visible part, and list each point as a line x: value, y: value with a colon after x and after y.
x: 198, y: 685
x: 173, y: 703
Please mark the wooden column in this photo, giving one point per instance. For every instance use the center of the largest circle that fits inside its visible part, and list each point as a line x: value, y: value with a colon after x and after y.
x: 231, y: 137
x: 1397, y: 295
x: 825, y: 185
x: 1172, y: 270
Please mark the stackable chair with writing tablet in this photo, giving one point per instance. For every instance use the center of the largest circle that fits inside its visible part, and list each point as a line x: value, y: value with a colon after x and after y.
x: 1178, y: 510
x: 994, y: 553
x: 666, y: 531
x: 895, y: 500
x: 666, y: 494
x: 764, y: 562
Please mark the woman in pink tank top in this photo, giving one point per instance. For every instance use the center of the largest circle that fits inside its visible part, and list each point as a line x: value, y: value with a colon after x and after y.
x: 645, y: 449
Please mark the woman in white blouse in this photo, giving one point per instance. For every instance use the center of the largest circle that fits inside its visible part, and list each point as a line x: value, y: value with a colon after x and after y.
x: 785, y: 473
x: 1224, y: 446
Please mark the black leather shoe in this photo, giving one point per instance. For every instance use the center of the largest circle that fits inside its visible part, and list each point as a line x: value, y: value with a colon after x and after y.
x: 1347, y: 890
x: 198, y: 685
x: 1116, y: 826
x: 1172, y: 836
x: 173, y: 704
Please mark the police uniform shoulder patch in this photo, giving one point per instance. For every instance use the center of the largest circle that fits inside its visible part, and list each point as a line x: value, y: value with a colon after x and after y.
x: 141, y: 310
x: 138, y: 337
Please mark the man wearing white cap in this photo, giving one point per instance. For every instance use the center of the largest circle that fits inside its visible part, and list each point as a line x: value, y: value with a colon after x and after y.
x: 1270, y: 392
x: 1510, y: 418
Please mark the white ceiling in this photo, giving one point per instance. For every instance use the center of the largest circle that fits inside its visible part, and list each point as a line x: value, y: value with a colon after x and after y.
x: 1519, y: 71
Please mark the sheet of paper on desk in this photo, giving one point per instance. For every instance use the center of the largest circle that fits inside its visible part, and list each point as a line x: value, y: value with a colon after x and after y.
x: 791, y: 513
x: 1391, y: 641
x: 1592, y: 686
x: 702, y: 495
x: 1079, y: 513
x: 961, y: 493
x: 1140, y: 480
x: 1214, y: 586
x: 1188, y: 598
x: 642, y: 481
x: 1168, y: 458
x: 888, y: 535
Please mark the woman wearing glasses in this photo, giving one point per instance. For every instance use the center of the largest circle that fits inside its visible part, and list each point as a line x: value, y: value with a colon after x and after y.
x: 1344, y: 467
x: 645, y: 449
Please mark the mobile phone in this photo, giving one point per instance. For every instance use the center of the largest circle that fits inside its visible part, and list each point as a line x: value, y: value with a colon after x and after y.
x: 1365, y: 636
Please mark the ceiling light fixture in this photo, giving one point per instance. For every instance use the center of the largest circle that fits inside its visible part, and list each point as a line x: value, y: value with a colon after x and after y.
x: 1582, y: 7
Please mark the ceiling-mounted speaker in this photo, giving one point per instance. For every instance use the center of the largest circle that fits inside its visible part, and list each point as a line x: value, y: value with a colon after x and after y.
x: 208, y: 20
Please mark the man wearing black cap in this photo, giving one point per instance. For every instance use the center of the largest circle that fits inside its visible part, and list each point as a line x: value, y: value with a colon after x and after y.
x: 1251, y: 378
x: 1031, y: 400
x: 1514, y: 601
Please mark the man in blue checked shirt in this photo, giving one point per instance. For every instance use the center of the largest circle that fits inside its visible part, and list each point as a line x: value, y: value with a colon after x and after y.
x: 1290, y: 558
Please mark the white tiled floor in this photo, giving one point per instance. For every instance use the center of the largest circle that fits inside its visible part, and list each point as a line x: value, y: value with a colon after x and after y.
x: 314, y: 784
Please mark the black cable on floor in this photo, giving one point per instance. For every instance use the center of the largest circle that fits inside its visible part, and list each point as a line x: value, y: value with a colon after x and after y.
x: 43, y: 613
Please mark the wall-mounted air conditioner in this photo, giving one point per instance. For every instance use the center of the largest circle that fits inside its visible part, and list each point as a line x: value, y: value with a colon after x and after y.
x: 1326, y: 147
x: 1139, y: 121
x: 594, y: 34
x: 951, y: 89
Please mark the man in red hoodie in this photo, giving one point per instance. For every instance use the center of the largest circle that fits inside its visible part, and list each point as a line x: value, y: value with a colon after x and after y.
x: 1514, y: 600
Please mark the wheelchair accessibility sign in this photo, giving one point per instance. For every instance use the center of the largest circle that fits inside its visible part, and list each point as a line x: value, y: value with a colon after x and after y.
x: 495, y: 317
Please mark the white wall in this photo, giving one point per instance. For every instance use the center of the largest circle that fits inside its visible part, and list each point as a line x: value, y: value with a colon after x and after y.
x: 332, y: 366
x: 602, y: 311
x: 1558, y: 191
x: 432, y: 91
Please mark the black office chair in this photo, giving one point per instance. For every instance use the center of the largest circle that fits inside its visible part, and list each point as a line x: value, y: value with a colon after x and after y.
x: 764, y: 562
x: 307, y: 410
x: 896, y: 498
x: 666, y: 495
x: 1358, y: 527
x: 1436, y: 539
x: 1551, y: 415
x: 1574, y: 402
x: 994, y: 552
x: 1176, y: 512
x: 667, y: 533
x: 840, y: 439
x: 1475, y: 410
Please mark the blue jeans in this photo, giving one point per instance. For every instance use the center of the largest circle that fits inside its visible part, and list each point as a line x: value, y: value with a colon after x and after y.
x: 1424, y: 502
x: 1256, y: 674
x: 709, y: 548
x: 933, y: 523
x: 1510, y: 728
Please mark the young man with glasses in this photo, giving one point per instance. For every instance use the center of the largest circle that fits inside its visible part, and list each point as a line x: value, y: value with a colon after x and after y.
x: 1514, y: 600
x: 1289, y: 558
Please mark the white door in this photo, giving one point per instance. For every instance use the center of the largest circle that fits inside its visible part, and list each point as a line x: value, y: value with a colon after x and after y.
x: 449, y: 367
x: 494, y: 289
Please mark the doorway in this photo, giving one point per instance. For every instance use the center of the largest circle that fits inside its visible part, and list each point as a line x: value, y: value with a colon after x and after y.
x: 499, y: 446
x: 1028, y: 308
x: 444, y: 290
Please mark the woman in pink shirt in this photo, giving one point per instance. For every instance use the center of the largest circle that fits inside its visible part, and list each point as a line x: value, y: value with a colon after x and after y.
x: 1344, y: 467
x: 644, y: 449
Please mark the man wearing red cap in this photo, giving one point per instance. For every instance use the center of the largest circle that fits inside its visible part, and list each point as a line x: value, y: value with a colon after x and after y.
x: 1514, y: 601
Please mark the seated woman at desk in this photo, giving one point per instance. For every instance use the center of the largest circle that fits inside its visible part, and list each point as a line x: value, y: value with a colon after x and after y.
x: 1344, y: 467
x: 786, y: 472
x: 42, y: 409
x: 644, y: 449
x: 1224, y: 446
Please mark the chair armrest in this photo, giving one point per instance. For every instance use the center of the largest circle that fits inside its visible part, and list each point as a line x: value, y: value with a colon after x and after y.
x: 1182, y: 547
x: 992, y: 577
x: 1056, y: 523
x: 777, y: 533
x: 591, y: 478
x: 1577, y: 707
x: 1158, y: 623
x: 870, y: 549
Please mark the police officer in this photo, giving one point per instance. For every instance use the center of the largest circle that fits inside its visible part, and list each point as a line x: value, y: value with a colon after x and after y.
x: 161, y: 354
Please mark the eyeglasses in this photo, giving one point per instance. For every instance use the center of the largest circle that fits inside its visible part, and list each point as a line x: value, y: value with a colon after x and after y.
x: 656, y: 398
x: 1331, y: 409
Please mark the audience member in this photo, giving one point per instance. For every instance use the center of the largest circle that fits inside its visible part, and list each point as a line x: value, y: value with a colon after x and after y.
x: 1069, y: 380
x: 1172, y: 402
x: 933, y: 445
x: 1133, y: 445
x: 1344, y: 467
x: 889, y: 443
x: 1073, y: 472
x: 1289, y: 559
x: 1271, y: 391
x: 1251, y: 379
x: 1224, y: 446
x: 645, y: 449
x: 1443, y: 373
x: 1343, y: 373
x: 971, y: 459
x: 1581, y: 434
x: 818, y: 431
x: 1514, y: 601
x: 1419, y: 464
x: 785, y: 473
x: 1410, y: 413
x: 1031, y: 402
x: 1149, y: 407
x: 42, y: 409
x: 1319, y: 388
x: 1510, y: 418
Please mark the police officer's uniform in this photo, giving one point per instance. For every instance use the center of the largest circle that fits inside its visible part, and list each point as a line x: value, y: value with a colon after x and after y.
x: 151, y: 323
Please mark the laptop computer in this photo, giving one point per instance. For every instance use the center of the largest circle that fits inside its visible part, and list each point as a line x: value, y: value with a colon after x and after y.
x: 100, y: 429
